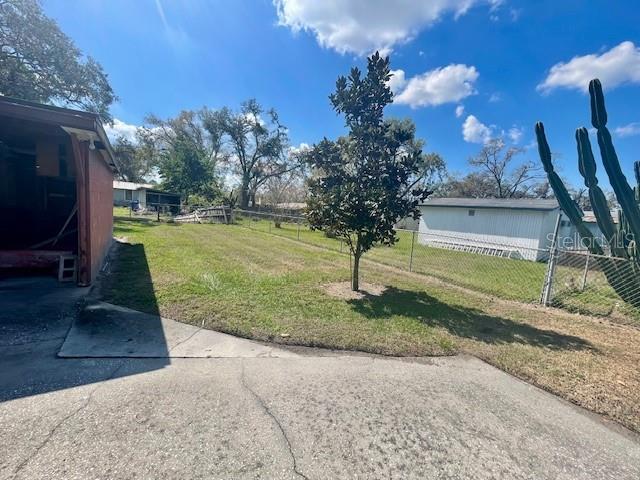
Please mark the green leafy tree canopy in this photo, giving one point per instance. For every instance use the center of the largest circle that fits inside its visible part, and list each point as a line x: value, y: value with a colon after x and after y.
x: 134, y: 161
x: 363, y: 183
x: 38, y: 62
x: 186, y: 154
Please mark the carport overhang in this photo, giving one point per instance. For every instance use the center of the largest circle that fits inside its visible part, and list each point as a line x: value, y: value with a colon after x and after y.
x: 86, y: 134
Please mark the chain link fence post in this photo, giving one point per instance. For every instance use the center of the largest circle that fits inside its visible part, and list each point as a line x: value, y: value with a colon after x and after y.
x: 413, y: 242
x: 585, y: 273
x: 298, y: 223
x: 551, y: 266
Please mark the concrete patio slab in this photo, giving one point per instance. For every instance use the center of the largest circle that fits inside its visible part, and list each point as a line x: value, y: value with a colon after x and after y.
x: 319, y: 415
x: 105, y: 330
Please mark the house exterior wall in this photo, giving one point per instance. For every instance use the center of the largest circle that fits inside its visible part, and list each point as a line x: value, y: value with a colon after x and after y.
x: 120, y: 197
x: 141, y: 197
x: 548, y: 227
x: 100, y: 215
x: 519, y: 230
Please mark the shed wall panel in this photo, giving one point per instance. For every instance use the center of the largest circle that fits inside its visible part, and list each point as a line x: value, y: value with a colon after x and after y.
x: 520, y: 229
x: 100, y: 182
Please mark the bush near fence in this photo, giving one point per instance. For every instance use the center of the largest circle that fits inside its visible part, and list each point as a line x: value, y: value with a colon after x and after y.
x: 577, y: 284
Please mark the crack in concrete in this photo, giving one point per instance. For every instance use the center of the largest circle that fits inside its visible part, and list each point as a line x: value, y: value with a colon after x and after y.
x: 185, y: 340
x: 276, y: 421
x: 55, y: 428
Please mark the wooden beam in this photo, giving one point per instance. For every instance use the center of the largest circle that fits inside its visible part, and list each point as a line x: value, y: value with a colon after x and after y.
x: 81, y: 161
x: 30, y: 258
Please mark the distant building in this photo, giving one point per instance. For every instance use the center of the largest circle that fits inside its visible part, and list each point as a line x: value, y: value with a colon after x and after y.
x: 144, y: 196
x: 515, y: 228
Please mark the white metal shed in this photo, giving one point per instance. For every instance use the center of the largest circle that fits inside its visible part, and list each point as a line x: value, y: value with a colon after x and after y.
x: 518, y: 228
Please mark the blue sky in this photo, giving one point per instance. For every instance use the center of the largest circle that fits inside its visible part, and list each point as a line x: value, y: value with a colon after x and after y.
x: 471, y: 69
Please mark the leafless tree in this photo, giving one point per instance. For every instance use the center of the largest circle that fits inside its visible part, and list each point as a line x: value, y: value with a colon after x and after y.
x: 495, y: 162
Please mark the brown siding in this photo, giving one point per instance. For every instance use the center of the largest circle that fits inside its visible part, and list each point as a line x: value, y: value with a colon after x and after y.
x: 100, y: 193
x: 95, y: 209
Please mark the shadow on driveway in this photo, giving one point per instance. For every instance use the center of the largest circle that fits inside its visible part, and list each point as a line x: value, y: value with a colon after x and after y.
x: 35, y: 317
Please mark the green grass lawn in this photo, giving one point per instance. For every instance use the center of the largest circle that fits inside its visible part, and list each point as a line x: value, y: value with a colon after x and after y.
x: 509, y: 279
x: 261, y: 286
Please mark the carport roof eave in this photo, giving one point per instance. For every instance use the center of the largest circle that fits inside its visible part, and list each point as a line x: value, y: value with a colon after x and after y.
x: 63, y: 117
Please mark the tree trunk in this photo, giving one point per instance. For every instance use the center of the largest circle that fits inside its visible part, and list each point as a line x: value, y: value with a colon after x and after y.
x: 244, y: 193
x: 355, y: 275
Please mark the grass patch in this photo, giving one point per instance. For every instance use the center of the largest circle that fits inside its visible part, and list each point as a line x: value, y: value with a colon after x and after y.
x: 261, y: 286
x: 505, y: 278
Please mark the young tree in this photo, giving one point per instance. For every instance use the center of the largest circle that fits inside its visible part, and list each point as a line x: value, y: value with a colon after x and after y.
x: 257, y: 145
x: 38, y: 62
x: 431, y: 166
x: 363, y: 183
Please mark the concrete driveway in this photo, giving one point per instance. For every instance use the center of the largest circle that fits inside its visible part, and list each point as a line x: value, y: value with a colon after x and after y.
x: 255, y: 411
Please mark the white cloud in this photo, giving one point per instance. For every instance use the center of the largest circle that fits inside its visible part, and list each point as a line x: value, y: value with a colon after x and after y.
x: 397, y: 81
x: 435, y: 87
x: 300, y: 148
x: 362, y: 26
x: 614, y: 67
x: 630, y: 130
x: 474, y: 131
x: 495, y: 97
x: 459, y: 111
x: 120, y: 128
x: 255, y: 119
x: 515, y: 134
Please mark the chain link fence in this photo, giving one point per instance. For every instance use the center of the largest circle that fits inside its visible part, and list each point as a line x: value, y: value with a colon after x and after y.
x: 570, y: 279
x: 574, y: 280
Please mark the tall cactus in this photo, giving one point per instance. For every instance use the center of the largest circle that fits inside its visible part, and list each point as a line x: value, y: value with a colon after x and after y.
x: 621, y: 188
x: 569, y: 207
x: 621, y: 275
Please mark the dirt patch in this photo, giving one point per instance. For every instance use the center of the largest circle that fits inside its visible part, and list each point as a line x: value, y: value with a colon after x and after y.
x: 342, y: 290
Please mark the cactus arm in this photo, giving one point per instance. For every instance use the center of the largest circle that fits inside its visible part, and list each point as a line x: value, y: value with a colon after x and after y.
x: 567, y: 204
x: 623, y: 191
x: 587, y: 167
x: 598, y: 110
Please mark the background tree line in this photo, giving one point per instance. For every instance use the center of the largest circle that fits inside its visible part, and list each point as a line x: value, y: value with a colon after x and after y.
x: 197, y: 152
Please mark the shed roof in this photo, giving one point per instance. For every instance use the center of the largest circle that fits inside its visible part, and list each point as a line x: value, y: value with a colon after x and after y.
x: 66, y: 118
x: 131, y: 185
x: 506, y: 203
